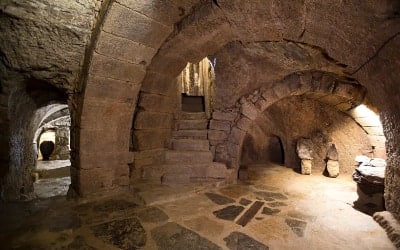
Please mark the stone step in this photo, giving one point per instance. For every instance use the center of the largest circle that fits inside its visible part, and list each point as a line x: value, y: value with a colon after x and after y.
x: 172, y: 156
x: 192, y: 115
x: 192, y: 124
x: 190, y: 134
x: 185, y: 171
x: 190, y: 144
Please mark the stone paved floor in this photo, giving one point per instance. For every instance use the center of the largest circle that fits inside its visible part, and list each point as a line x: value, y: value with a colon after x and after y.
x: 276, y: 209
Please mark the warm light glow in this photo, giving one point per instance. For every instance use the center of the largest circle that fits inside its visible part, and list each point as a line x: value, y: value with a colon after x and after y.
x: 364, y: 112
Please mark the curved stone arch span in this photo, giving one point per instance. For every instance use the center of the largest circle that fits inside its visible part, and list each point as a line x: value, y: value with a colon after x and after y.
x: 322, y: 86
x: 140, y: 48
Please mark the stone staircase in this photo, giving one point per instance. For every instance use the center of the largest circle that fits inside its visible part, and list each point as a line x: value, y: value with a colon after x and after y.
x: 188, y: 158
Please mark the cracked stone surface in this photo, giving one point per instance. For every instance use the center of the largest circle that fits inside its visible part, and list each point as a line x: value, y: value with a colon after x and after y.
x: 125, y: 234
x: 174, y: 236
x: 269, y: 196
x: 152, y: 214
x: 270, y: 211
x: 189, y: 220
x: 228, y: 213
x: 241, y: 241
x: 219, y: 199
x: 297, y: 226
x: 114, y: 206
x: 244, y: 202
x: 277, y: 204
x: 79, y: 243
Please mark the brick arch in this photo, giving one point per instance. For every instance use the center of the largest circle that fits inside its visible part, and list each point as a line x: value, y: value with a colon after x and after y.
x: 143, y: 46
x: 322, y: 86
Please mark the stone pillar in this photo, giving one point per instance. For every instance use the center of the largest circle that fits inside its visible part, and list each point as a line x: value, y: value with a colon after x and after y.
x: 332, y: 164
x: 62, y: 143
x: 304, y: 150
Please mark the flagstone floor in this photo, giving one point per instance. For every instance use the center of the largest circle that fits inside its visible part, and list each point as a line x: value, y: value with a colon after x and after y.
x: 276, y: 208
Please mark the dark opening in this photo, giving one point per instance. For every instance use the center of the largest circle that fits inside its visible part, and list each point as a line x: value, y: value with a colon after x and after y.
x: 279, y: 157
x: 193, y: 103
x: 262, y: 150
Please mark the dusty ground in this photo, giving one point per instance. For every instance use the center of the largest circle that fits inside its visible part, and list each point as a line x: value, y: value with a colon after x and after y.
x: 292, y: 211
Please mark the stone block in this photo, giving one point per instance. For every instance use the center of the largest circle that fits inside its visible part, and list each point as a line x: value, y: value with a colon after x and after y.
x: 122, y: 181
x: 158, y: 103
x: 249, y: 110
x: 234, y: 150
x: 263, y: 104
x: 324, y: 83
x: 172, y: 156
x: 221, y: 153
x: 103, y: 159
x: 159, y: 153
x: 117, y: 47
x: 139, y: 163
x: 127, y: 23
x: 332, y: 168
x: 294, y: 83
x: 150, y: 138
x: 190, y: 134
x: 103, y: 140
x: 333, y: 100
x: 114, y: 115
x: 116, y: 90
x: 111, y: 68
x: 305, y: 148
x: 153, y: 120
x: 306, y: 166
x: 244, y: 123
x: 270, y: 96
x: 170, y: 65
x: 190, y: 144
x: 217, y: 170
x: 176, y: 178
x: 220, y: 125
x: 345, y: 106
x: 159, y: 84
x: 192, y: 124
x: 89, y: 185
x: 192, y: 116
x: 224, y: 116
x: 281, y: 90
x: 306, y: 79
x: 349, y: 90
x: 162, y: 11
x: 237, y: 135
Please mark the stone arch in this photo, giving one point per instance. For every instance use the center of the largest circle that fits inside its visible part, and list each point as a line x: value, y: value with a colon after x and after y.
x: 139, y: 47
x: 28, y: 104
x: 325, y: 87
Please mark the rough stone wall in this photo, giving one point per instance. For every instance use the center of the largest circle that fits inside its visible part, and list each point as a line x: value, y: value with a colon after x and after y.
x: 299, y: 117
x: 121, y: 67
x: 229, y: 125
x: 61, y: 147
x: 244, y: 67
x: 381, y: 76
x: 26, y: 111
x: 261, y: 146
x: 42, y: 43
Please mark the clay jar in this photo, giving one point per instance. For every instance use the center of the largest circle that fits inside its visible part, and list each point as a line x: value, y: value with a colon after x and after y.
x: 46, y: 148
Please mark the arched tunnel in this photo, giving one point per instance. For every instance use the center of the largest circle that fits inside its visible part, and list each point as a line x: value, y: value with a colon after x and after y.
x: 183, y: 105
